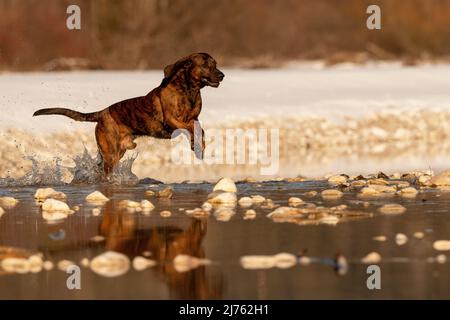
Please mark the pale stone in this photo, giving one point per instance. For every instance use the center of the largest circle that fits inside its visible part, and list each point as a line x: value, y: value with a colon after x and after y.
x: 165, y: 213
x: 401, y: 239
x: 311, y: 194
x: 294, y: 201
x: 226, y: 185
x: 442, y: 258
x: 206, y: 206
x: 141, y: 263
x: 377, y: 181
x: 410, y: 191
x: 392, y: 208
x: 329, y: 219
x: 198, y: 213
x: 358, y: 183
x: 442, y: 179
x: 220, y: 197
x: 371, y: 258
x: 441, y: 245
x: 8, y: 202
x: 419, y: 235
x: 284, y: 212
x: 257, y: 262
x: 36, y: 263
x: 257, y: 199
x: 110, y: 264
x: 96, y: 197
x: 250, y: 214
x: 304, y: 260
x: 224, y: 214
x: 425, y: 180
x: 63, y: 265
x: 184, y: 263
x: 52, y: 205
x: 369, y: 191
x: 337, y: 179
x: 331, y: 193
x: 48, y: 265
x: 85, y: 262
x: 285, y: 260
x: 15, y: 265
x: 245, y: 202
x: 44, y: 193
x: 147, y: 205
x: 165, y: 193
x: 380, y: 238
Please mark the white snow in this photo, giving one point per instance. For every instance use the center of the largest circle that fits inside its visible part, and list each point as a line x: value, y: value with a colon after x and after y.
x: 304, y: 90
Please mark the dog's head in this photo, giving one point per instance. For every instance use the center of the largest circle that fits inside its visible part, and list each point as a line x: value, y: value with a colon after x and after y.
x: 200, y: 68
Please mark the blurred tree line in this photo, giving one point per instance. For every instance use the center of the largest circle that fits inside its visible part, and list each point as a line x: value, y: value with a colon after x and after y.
x: 129, y: 34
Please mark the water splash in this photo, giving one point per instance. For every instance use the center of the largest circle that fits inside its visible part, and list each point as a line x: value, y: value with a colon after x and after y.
x: 87, y: 170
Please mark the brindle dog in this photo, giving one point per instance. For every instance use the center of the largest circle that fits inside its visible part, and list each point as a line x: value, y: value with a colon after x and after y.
x: 175, y: 104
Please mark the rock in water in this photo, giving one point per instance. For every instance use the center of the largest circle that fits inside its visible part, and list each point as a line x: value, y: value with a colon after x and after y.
x: 165, y: 213
x: 371, y: 258
x: 257, y: 199
x: 183, y: 263
x: 51, y: 205
x: 225, y: 184
x: 418, y: 235
x: 245, y: 202
x: 141, y: 263
x: 331, y: 194
x: 285, y: 212
x: 110, y: 264
x: 8, y: 202
x: 441, y: 245
x: 294, y: 201
x: 45, y: 193
x: 392, y: 208
x: 250, y: 214
x: 55, y: 210
x: 64, y: 265
x: 257, y: 262
x: 147, y: 205
x: 222, y: 197
x: 97, y: 197
x: 337, y: 179
x: 165, y: 193
x: 409, y: 191
x: 380, y: 238
x: 285, y: 260
x: 401, y: 239
x: 442, y: 179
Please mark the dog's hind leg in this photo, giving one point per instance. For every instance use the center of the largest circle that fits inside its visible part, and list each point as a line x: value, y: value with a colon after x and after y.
x: 108, y: 147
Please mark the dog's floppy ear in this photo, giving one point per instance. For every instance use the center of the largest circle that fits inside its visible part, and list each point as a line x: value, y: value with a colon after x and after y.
x: 171, y: 69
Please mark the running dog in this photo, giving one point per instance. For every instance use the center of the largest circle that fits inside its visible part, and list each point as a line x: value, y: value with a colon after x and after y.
x: 175, y: 104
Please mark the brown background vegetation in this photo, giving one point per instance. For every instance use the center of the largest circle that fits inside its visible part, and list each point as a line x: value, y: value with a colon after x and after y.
x: 129, y: 34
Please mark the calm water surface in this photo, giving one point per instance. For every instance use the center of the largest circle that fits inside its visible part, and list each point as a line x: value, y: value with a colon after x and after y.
x: 405, y: 272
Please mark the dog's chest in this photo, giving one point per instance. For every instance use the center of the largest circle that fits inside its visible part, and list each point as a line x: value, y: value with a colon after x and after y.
x: 186, y: 108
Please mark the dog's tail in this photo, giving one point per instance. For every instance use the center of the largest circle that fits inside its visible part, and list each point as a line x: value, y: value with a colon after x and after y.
x: 75, y: 115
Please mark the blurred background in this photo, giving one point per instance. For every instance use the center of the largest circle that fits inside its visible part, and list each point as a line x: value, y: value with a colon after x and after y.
x: 344, y: 98
x: 145, y: 34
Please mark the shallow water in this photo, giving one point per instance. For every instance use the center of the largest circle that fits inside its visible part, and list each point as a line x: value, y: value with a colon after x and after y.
x: 405, y: 272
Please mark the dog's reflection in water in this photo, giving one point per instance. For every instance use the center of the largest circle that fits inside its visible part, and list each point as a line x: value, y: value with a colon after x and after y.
x: 164, y: 240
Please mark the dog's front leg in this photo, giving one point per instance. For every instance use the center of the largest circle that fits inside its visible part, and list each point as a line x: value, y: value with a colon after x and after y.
x: 198, y: 140
x: 195, y: 131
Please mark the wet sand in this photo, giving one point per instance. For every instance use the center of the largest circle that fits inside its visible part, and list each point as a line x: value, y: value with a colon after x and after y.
x: 406, y: 270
